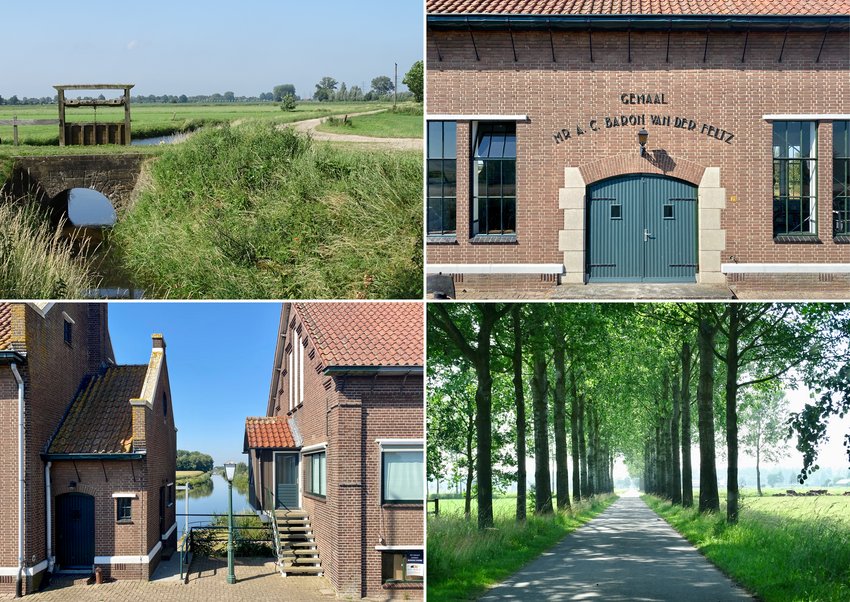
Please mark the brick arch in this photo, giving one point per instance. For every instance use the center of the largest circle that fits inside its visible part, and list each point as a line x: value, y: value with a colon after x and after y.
x: 655, y: 162
x: 81, y: 488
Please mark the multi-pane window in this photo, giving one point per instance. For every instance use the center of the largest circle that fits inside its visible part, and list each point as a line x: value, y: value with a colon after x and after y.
x: 123, y: 509
x: 794, y: 178
x: 494, y: 178
x: 442, y: 178
x: 315, y: 467
x: 841, y: 178
x: 68, y: 333
x: 402, y: 474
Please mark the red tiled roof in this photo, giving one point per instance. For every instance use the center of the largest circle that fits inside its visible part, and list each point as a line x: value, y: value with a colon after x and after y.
x: 641, y: 7
x: 5, y: 325
x: 268, y: 432
x: 100, y: 419
x: 365, y: 334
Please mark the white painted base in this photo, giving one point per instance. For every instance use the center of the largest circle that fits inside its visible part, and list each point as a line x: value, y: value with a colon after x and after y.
x: 12, y: 571
x: 494, y: 268
x: 785, y: 268
x: 129, y: 559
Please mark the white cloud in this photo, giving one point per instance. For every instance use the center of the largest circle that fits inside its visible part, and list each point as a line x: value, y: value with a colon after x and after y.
x: 132, y: 45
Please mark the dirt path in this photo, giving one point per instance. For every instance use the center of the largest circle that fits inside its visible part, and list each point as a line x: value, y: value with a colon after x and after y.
x: 626, y: 553
x: 310, y: 125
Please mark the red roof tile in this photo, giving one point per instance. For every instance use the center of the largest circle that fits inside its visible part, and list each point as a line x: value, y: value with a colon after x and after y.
x: 5, y: 325
x: 641, y: 7
x: 365, y: 334
x: 100, y: 419
x: 268, y: 432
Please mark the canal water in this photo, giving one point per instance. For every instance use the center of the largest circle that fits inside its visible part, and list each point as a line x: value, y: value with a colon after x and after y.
x: 170, y: 139
x: 209, y: 500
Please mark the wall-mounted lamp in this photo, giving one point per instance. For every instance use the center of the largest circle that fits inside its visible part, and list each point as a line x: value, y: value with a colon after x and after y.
x: 643, y: 136
x: 72, y: 485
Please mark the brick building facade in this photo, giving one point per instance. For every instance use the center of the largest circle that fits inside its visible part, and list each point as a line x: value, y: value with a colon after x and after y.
x: 536, y: 173
x: 346, y: 411
x: 98, y: 450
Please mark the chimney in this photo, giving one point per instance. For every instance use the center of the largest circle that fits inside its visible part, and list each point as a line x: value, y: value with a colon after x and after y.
x: 97, y: 336
x: 158, y: 341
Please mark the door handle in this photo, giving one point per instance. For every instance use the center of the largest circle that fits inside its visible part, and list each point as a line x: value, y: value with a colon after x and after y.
x: 646, y: 235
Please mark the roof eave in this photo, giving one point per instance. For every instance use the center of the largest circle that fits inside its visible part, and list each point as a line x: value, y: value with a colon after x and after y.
x: 519, y: 22
x: 384, y: 370
x: 93, y: 456
x: 8, y: 356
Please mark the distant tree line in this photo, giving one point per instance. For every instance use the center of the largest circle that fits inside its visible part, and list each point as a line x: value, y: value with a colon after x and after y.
x: 194, y: 460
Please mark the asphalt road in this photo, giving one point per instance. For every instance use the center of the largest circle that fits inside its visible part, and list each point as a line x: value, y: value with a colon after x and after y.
x: 626, y: 553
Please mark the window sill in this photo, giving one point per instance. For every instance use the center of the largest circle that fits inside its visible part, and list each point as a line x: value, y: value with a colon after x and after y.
x: 797, y: 239
x: 400, y: 503
x: 841, y: 239
x: 124, y: 522
x: 316, y: 496
x: 441, y: 240
x: 494, y: 239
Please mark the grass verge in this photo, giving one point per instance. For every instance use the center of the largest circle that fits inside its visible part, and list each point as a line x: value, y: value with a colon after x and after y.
x: 404, y: 122
x: 463, y: 561
x: 778, y: 556
x: 36, y: 260
x: 252, y: 212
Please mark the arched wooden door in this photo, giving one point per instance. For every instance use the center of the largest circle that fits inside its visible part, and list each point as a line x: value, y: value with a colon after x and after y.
x: 75, y: 530
x: 642, y: 228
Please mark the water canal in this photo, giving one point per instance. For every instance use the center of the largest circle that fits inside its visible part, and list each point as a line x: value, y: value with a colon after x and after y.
x: 209, y: 499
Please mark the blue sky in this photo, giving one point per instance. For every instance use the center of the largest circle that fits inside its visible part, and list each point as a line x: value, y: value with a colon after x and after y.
x: 219, y: 358
x: 205, y: 46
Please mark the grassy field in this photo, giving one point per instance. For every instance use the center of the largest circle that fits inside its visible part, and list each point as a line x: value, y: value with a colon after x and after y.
x: 783, y: 549
x: 149, y: 120
x: 406, y: 122
x: 252, y: 212
x: 188, y: 474
x: 463, y: 561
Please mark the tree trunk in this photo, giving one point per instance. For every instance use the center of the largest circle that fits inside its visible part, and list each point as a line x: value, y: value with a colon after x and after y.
x: 674, y: 446
x: 574, y: 435
x: 732, y: 415
x: 519, y: 397
x: 562, y: 492
x: 467, y: 506
x: 483, y: 416
x: 709, y: 499
x: 758, y: 469
x: 591, y: 451
x: 539, y: 388
x: 582, y: 448
x: 687, y: 474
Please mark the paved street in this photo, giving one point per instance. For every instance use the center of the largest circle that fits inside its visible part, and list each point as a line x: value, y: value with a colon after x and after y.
x: 257, y: 580
x: 626, y: 553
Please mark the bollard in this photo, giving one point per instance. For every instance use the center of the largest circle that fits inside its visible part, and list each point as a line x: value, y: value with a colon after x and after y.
x: 98, y: 576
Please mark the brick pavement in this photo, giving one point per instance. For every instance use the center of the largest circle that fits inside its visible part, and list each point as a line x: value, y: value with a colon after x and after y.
x: 257, y: 580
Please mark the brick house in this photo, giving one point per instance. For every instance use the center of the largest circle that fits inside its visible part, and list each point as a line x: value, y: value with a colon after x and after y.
x: 88, y: 449
x: 337, y: 462
x: 536, y: 173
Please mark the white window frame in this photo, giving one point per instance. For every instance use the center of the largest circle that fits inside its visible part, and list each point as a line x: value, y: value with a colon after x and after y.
x: 398, y: 445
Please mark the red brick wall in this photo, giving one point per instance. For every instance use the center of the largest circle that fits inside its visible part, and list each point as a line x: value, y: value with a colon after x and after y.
x: 8, y: 474
x: 349, y: 413
x: 721, y: 91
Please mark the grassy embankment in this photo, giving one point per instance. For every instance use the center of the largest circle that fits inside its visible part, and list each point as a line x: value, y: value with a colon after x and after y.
x: 37, y: 261
x: 782, y: 549
x: 252, y: 212
x: 463, y: 561
x: 404, y: 122
x: 194, y: 478
x: 151, y: 120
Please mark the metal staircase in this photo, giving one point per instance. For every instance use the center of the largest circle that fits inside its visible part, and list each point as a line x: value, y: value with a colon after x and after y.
x: 297, y: 551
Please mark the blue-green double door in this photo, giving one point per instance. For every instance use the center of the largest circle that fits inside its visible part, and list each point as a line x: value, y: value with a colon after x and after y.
x: 642, y: 228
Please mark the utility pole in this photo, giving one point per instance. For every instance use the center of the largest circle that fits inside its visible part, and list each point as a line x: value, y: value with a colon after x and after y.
x: 395, y: 88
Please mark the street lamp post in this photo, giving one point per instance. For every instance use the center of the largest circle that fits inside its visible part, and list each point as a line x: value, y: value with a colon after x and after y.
x: 229, y: 472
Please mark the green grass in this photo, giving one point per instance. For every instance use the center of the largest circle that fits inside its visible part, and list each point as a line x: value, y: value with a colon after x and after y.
x: 783, y: 548
x: 463, y: 561
x: 37, y: 261
x: 252, y: 212
x: 194, y: 478
x: 149, y: 120
x: 406, y: 122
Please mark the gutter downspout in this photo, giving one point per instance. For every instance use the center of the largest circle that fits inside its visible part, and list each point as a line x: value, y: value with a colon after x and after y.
x: 19, y: 582
x: 49, y: 517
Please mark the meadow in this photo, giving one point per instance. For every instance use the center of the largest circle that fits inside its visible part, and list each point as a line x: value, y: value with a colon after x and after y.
x: 783, y: 549
x: 405, y: 121
x: 150, y: 120
x: 463, y: 561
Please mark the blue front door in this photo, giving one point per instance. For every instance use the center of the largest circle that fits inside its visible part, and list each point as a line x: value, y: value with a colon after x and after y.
x: 75, y: 531
x: 642, y: 228
x: 286, y: 480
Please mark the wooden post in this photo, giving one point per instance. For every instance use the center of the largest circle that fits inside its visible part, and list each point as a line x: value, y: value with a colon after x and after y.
x: 15, y: 130
x: 127, y: 137
x: 61, y: 94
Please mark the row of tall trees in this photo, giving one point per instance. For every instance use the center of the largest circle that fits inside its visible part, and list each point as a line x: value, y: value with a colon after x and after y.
x: 647, y: 382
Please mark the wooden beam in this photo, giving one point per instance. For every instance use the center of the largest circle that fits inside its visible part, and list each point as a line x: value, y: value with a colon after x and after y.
x: 93, y: 86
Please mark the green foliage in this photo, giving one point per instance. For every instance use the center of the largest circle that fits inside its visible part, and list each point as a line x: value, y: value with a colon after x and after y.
x: 782, y: 549
x: 288, y: 103
x: 405, y: 121
x: 463, y: 561
x: 282, y: 91
x: 194, y: 460
x: 251, y: 537
x: 415, y: 80
x: 37, y: 260
x: 382, y: 85
x: 254, y: 212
